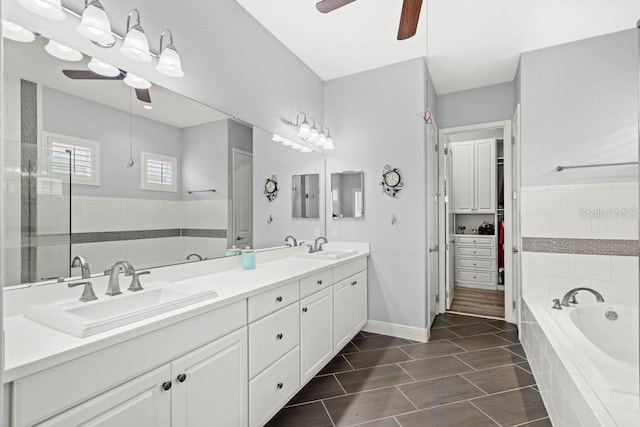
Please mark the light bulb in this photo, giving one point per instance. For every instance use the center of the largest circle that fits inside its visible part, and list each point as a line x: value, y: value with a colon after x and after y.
x: 48, y: 9
x: 60, y: 51
x: 16, y: 33
x: 95, y: 26
x: 136, y: 82
x: 103, y: 68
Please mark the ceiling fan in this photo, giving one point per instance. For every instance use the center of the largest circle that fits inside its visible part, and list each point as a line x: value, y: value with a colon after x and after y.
x: 408, y: 19
x: 142, y: 94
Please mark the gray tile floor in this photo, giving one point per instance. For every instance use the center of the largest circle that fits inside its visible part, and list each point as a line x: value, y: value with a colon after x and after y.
x: 472, y: 373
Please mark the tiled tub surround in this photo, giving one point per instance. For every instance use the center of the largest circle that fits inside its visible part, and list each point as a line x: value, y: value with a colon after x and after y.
x: 576, y: 379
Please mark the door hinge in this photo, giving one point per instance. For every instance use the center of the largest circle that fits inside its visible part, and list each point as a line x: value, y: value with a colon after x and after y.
x: 437, y: 147
x: 446, y: 151
x: 438, y: 298
x: 513, y: 139
x: 515, y: 195
x: 514, y: 305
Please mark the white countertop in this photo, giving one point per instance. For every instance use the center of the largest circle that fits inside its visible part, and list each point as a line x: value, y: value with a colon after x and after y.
x: 31, y: 347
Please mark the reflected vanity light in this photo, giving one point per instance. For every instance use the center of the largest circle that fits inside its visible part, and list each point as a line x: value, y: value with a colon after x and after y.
x: 136, y: 82
x: 328, y: 145
x: 103, y: 68
x: 169, y: 62
x: 277, y: 138
x: 305, y: 150
x: 310, y: 133
x: 322, y: 138
x: 313, y: 134
x: 16, y: 33
x: 60, y: 51
x: 147, y: 107
x: 287, y: 143
x: 48, y: 9
x: 303, y: 128
x: 95, y: 25
x: 136, y: 45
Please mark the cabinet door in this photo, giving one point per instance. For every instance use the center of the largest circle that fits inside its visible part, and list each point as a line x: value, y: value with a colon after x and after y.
x: 343, y: 305
x: 316, y: 332
x: 213, y: 391
x: 462, y: 155
x: 141, y: 402
x: 485, y: 179
x: 360, y: 314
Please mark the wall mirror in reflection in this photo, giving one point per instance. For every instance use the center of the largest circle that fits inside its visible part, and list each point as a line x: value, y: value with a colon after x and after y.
x: 306, y: 196
x: 347, y: 194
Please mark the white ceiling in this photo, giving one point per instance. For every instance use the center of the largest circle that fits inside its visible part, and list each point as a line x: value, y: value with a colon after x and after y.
x: 168, y: 107
x: 472, y: 43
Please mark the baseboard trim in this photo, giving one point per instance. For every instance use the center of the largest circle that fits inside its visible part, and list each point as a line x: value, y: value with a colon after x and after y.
x: 395, y: 330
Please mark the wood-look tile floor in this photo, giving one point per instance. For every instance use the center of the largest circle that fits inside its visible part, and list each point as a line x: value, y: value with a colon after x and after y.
x: 472, y: 373
x: 481, y: 302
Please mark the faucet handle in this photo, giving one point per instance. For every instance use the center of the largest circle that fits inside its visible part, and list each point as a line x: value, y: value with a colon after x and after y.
x: 556, y: 304
x: 87, y: 293
x: 135, y: 281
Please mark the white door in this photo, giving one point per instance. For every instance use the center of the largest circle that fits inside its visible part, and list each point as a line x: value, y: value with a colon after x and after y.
x: 242, y: 198
x: 450, y: 230
x: 316, y: 332
x: 432, y: 224
x: 141, y: 402
x: 462, y: 177
x: 342, y: 314
x: 210, y: 384
x: 515, y: 216
x: 485, y: 176
x: 360, y: 313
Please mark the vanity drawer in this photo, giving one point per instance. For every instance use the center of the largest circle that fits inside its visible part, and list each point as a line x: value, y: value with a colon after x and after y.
x: 475, y: 264
x: 343, y: 271
x: 474, y: 252
x: 273, y: 336
x: 270, y: 390
x: 475, y: 277
x: 475, y: 240
x: 315, y: 283
x: 267, y: 302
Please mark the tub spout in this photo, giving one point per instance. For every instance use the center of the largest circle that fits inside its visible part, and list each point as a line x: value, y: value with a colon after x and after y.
x: 569, y: 297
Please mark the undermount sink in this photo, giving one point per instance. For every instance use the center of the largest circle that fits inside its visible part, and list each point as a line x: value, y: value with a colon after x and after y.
x: 83, y: 319
x: 330, y: 255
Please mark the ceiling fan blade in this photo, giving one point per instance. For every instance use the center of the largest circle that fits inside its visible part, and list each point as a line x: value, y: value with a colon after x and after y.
x: 409, y: 19
x: 143, y: 95
x: 326, y: 6
x: 89, y: 75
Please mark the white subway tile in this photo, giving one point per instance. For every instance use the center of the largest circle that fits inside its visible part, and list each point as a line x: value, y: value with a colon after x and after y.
x: 95, y: 207
x: 593, y: 267
x: 549, y: 264
x: 591, y: 199
x: 625, y: 269
x: 569, y: 226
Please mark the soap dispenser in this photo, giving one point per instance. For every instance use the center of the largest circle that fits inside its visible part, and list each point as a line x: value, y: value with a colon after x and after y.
x: 248, y: 258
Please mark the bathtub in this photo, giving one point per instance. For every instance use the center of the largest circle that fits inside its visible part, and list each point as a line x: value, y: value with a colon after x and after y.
x: 585, y: 360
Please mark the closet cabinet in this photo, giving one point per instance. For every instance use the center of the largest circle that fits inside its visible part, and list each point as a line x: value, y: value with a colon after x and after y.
x: 349, y: 309
x: 474, y: 176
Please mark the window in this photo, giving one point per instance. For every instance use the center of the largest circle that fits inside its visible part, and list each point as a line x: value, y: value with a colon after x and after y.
x: 158, y: 172
x: 75, y: 156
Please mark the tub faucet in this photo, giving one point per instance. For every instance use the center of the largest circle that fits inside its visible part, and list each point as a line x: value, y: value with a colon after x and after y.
x: 317, y: 246
x: 114, y: 280
x: 570, y: 297
x: 291, y: 241
x: 81, y: 262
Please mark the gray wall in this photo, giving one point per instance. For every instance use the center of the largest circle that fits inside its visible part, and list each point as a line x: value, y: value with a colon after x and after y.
x: 73, y: 116
x: 580, y: 106
x: 374, y: 118
x: 480, y: 105
x: 240, y: 137
x: 204, y: 160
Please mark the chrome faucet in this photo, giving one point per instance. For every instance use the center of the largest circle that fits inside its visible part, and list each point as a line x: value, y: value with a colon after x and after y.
x: 570, y: 297
x: 317, y: 245
x: 294, y: 241
x: 87, y: 292
x: 81, y: 262
x: 196, y: 256
x: 114, y: 280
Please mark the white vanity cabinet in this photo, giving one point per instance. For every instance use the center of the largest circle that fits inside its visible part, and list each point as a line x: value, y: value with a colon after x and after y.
x: 474, y: 176
x: 316, y: 332
x: 349, y: 309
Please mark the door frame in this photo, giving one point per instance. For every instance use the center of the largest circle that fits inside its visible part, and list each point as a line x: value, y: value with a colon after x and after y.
x: 511, y: 305
x: 429, y: 205
x: 232, y: 210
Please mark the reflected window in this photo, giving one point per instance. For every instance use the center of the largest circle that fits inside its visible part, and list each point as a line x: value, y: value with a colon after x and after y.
x: 159, y: 173
x: 77, y: 157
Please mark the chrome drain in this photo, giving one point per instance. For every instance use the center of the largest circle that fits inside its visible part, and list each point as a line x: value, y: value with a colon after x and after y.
x: 611, y: 315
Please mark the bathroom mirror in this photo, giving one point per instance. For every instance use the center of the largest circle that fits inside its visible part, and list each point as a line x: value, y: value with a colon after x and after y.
x: 306, y: 196
x: 347, y: 194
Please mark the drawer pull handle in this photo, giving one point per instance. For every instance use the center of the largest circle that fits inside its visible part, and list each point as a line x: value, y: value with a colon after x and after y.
x: 166, y: 386
x: 279, y: 299
x: 279, y: 336
x: 354, y: 283
x: 474, y: 277
x: 181, y: 378
x: 304, y: 310
x: 280, y: 385
x: 319, y: 282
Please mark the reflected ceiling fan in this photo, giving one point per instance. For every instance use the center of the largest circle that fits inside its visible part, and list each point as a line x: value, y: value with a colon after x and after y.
x: 408, y: 19
x: 142, y: 94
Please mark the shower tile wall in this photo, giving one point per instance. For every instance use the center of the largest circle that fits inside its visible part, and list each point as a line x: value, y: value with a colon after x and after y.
x: 605, y: 214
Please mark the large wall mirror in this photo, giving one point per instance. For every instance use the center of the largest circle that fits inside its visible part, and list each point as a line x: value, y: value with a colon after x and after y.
x: 96, y: 168
x: 306, y: 196
x: 347, y: 194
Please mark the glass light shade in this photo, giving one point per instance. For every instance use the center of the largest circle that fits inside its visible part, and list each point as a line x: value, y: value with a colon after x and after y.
x: 136, y: 45
x: 95, y: 25
x: 305, y: 150
x: 322, y: 139
x: 287, y: 143
x: 277, y: 138
x: 136, y: 82
x: 147, y: 107
x: 329, y: 144
x: 169, y: 63
x: 305, y: 130
x: 103, y: 68
x: 60, y: 51
x: 313, y: 135
x: 48, y: 9
x: 16, y: 33
x: 296, y: 146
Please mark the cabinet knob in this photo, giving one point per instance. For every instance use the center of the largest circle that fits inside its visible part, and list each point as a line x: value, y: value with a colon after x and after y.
x: 280, y: 385
x: 181, y: 378
x: 354, y: 283
x: 166, y: 386
x: 304, y: 310
x: 279, y: 336
x: 279, y: 299
x: 319, y: 282
x: 474, y: 277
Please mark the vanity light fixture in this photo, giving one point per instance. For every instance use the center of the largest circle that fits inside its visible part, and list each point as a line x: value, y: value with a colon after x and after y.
x: 48, y: 9
x: 328, y: 145
x: 287, y: 143
x: 313, y: 134
x: 322, y: 138
x: 305, y: 150
x: 95, y: 25
x: 16, y: 33
x: 277, y: 138
x: 304, y: 130
x: 60, y: 51
x: 103, y: 68
x: 169, y: 62
x: 136, y: 82
x: 147, y: 107
x: 135, y: 45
